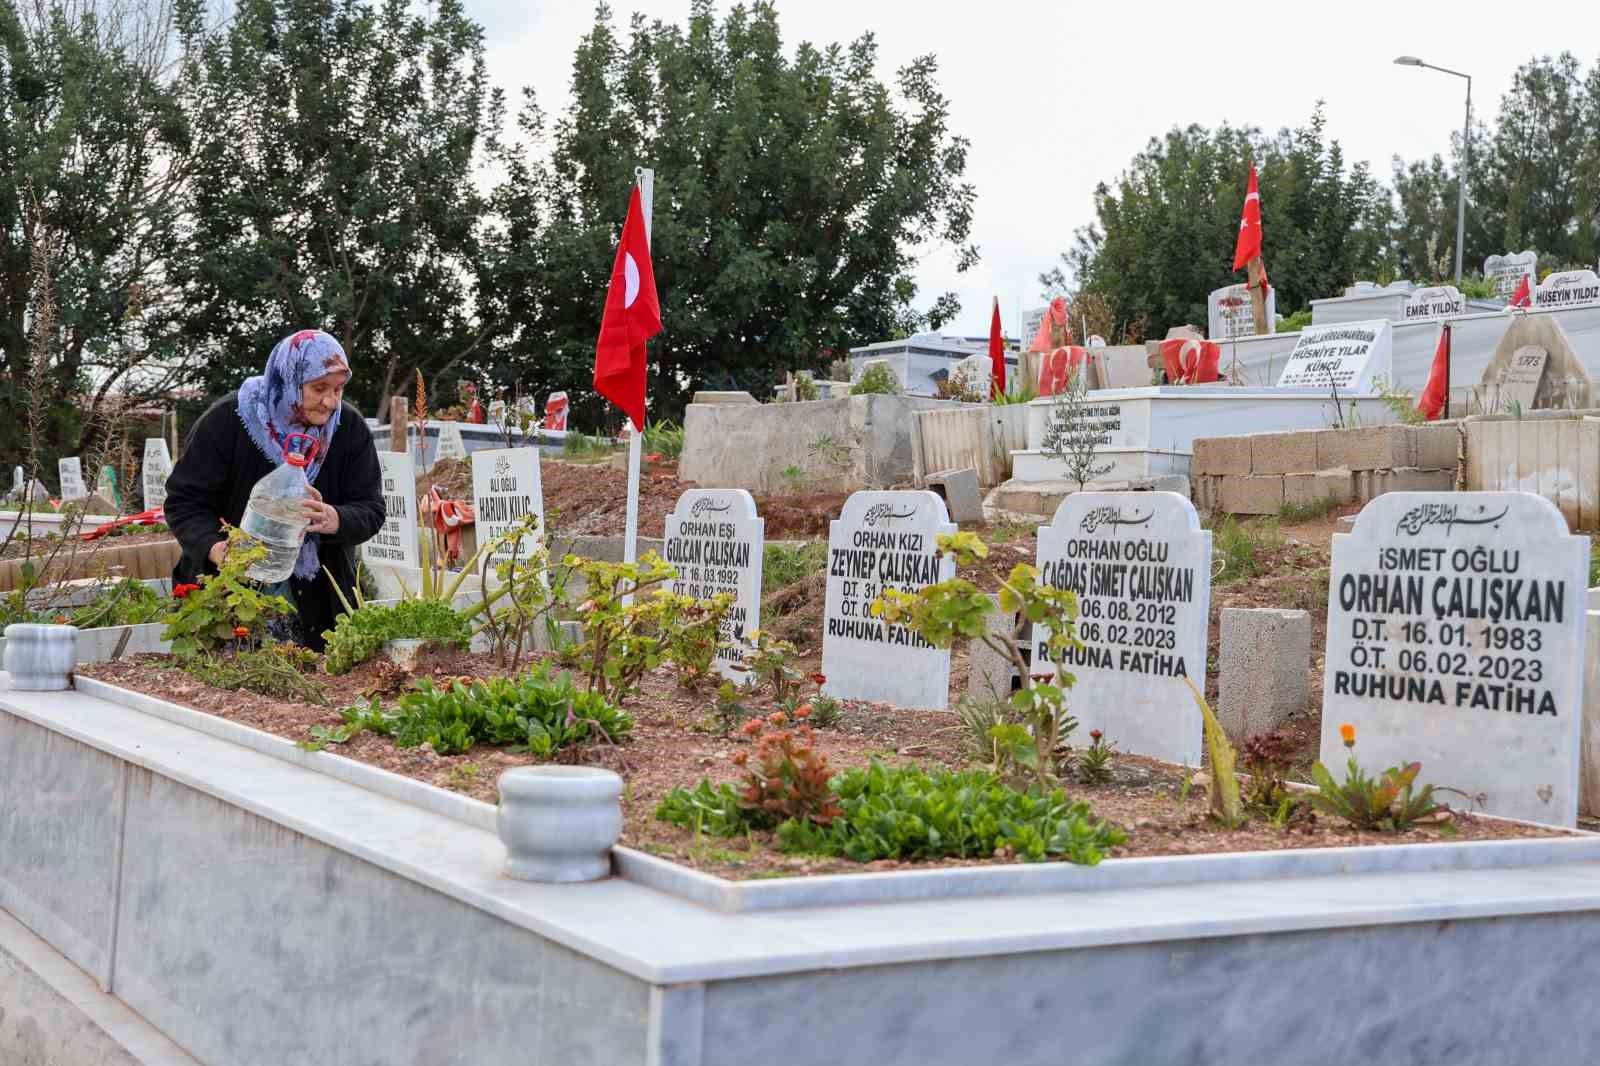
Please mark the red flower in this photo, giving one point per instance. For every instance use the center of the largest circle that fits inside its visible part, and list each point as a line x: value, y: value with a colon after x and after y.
x: 1095, y: 734
x: 182, y: 591
x: 803, y: 711
x: 777, y: 717
x: 751, y: 728
x: 821, y: 679
x: 241, y: 631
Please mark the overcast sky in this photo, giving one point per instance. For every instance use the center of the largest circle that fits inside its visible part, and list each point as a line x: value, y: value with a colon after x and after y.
x: 1056, y: 97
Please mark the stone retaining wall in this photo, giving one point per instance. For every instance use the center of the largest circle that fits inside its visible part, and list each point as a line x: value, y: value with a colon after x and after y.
x: 1260, y: 472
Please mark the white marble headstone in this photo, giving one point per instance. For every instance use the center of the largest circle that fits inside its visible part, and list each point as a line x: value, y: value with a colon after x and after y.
x: 1435, y: 302
x: 71, y: 471
x: 395, y: 543
x: 1509, y: 270
x: 1347, y: 355
x: 975, y: 372
x: 1569, y: 288
x: 506, y: 486
x: 716, y: 542
x: 157, y: 467
x: 1455, y: 639
x: 450, y: 445
x: 884, y: 540
x: 16, y: 481
x: 1141, y: 566
x: 1229, y: 314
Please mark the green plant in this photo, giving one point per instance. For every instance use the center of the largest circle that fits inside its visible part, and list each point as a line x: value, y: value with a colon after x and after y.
x: 128, y: 602
x: 1401, y: 404
x: 1293, y: 323
x: 1594, y: 563
x: 358, y: 635
x: 1266, y: 760
x: 1226, y: 806
x: 664, y: 438
x: 728, y: 711
x: 209, y: 614
x: 978, y: 717
x: 706, y: 808
x: 1073, y: 435
x: 825, y: 712
x: 1476, y: 288
x: 770, y: 661
x: 876, y: 379
x: 957, y: 608
x: 275, y: 669
x: 579, y: 446
x: 1094, y: 762
x: 805, y: 388
x: 787, y: 779
x: 691, y: 633
x: 1238, y: 547
x: 907, y: 813
x: 622, y: 640
x: 463, y: 776
x: 1294, y: 513
x: 527, y: 593
x: 1018, y: 390
x: 782, y: 565
x: 1391, y: 804
x: 795, y: 479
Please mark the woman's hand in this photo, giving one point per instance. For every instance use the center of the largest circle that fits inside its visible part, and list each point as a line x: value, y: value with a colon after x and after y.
x: 218, y: 550
x: 324, y: 517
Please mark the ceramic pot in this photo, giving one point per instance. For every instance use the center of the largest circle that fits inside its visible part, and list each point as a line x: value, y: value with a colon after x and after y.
x: 403, y: 652
x: 41, y: 658
x: 559, y: 822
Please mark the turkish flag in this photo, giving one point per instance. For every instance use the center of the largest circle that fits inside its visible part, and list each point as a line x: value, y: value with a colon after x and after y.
x: 997, y: 351
x: 1055, y: 328
x: 1431, y: 402
x: 1057, y: 368
x: 1249, y: 245
x: 1524, y: 295
x: 632, y: 316
x: 1191, y: 362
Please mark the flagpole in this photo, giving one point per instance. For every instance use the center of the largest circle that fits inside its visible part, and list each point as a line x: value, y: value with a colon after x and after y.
x: 630, y: 537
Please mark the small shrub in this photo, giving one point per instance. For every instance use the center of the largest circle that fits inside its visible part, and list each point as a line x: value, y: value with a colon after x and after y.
x: 1390, y: 804
x: 805, y: 388
x: 1295, y: 513
x: 358, y: 635
x: 1094, y: 762
x: 706, y: 808
x: 692, y: 634
x: 782, y: 565
x: 978, y: 717
x: 876, y: 380
x: 1294, y: 323
x: 276, y: 670
x: 825, y: 712
x: 1236, y: 548
x: 128, y: 602
x: 728, y: 711
x: 1266, y: 759
x: 787, y: 778
x: 209, y: 614
x: 527, y: 597
x: 621, y: 641
x: 664, y: 438
x: 1018, y: 390
x: 770, y: 661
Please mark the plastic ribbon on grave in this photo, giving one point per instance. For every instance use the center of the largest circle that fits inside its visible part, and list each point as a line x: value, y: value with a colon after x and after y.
x: 448, y: 518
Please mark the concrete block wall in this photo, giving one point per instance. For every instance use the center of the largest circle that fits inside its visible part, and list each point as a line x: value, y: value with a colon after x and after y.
x: 1258, y: 473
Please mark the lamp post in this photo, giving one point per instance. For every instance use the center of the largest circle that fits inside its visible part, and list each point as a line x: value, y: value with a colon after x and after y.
x: 1466, y: 155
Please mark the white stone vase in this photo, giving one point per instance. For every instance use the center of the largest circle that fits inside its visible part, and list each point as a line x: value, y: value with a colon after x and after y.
x: 403, y: 652
x: 41, y: 658
x: 559, y: 822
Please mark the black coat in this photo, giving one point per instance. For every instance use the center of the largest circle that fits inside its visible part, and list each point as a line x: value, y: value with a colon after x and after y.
x: 220, y: 464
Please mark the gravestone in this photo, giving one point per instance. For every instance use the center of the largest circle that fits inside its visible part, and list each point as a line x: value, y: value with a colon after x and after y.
x: 1435, y: 302
x: 157, y: 468
x: 72, y: 486
x: 109, y: 487
x: 715, y: 541
x: 1141, y: 566
x: 16, y: 484
x: 1455, y: 639
x: 884, y: 540
x: 395, y: 543
x: 1229, y: 314
x: 1507, y: 271
x: 1562, y: 381
x: 1348, y: 356
x: 505, y: 487
x: 450, y: 445
x: 974, y: 373
x: 1569, y: 288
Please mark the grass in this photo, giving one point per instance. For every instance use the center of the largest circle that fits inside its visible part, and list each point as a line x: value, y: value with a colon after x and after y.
x: 664, y: 438
x: 1236, y: 546
x: 1295, y: 513
x: 580, y: 447
x: 782, y: 565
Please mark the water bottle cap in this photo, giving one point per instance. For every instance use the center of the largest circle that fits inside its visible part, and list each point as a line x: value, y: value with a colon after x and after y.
x: 308, y: 444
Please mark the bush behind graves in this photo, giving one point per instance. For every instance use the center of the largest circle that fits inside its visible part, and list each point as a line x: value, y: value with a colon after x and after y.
x: 876, y: 381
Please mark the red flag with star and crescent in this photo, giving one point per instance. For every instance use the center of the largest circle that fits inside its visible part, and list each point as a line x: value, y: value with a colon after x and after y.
x: 1523, y: 297
x: 1249, y: 245
x: 632, y: 317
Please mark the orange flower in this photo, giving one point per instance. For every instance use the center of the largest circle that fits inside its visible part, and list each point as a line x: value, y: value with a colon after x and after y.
x: 803, y: 711
x: 777, y: 718
x: 241, y: 631
x: 740, y: 757
x: 1348, y: 732
x: 751, y: 728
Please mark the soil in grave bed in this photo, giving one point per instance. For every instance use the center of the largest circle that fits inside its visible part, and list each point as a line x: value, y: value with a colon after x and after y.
x: 673, y: 746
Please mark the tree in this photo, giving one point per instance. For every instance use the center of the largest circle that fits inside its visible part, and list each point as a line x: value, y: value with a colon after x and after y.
x: 93, y: 146
x: 1073, y: 434
x: 335, y: 186
x: 793, y: 198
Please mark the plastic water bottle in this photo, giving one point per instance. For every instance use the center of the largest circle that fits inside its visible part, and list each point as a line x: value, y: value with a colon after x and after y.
x: 273, y: 515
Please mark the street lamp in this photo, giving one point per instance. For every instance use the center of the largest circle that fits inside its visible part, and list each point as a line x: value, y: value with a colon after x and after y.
x: 1466, y: 157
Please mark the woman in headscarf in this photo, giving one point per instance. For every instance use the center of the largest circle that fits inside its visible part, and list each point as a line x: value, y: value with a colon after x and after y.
x: 239, y: 440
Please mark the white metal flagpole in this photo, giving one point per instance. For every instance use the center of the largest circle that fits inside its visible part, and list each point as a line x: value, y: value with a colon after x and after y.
x: 630, y: 536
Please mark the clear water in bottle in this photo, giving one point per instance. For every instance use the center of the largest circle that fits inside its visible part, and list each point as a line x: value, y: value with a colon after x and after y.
x: 273, y: 515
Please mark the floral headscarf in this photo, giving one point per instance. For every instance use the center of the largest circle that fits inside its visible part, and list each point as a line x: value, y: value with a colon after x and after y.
x: 269, y: 407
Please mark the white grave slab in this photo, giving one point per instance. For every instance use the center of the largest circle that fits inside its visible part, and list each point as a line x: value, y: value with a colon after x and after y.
x: 1520, y: 382
x: 1228, y: 312
x: 16, y: 482
x: 1455, y: 639
x: 450, y: 445
x: 1141, y: 566
x: 395, y: 543
x: 1435, y: 302
x: 71, y: 471
x: 1569, y: 288
x: 715, y: 541
x: 884, y: 540
x: 157, y: 467
x: 506, y: 486
x: 1509, y: 270
x: 1349, y: 356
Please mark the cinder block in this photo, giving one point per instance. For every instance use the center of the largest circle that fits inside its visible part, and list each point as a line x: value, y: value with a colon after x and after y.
x: 1312, y: 488
x: 1206, y: 492
x: 990, y: 675
x: 1263, y: 661
x: 1436, y: 447
x: 1221, y: 455
x: 1248, y: 494
x: 961, y: 495
x: 1366, y: 448
x: 1283, y: 453
x: 1370, y: 484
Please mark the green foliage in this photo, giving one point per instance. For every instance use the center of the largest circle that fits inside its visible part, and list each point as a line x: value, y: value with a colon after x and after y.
x: 691, y: 631
x: 1226, y: 806
x: 621, y: 642
x: 782, y: 565
x: 1476, y: 288
x: 876, y: 380
x: 1390, y: 804
x: 1018, y: 390
x: 1071, y: 433
x: 359, y: 635
x: 1594, y: 563
x: 525, y: 595
x: 277, y: 670
x: 210, y: 616
x: 664, y: 438
x: 706, y: 808
x: 978, y: 718
x: 770, y: 661
x: 907, y: 813
x: 728, y: 710
x: 1294, y: 513
x: 805, y: 388
x: 1293, y: 323
x: 1266, y: 761
x: 580, y: 446
x: 825, y: 712
x: 1094, y: 762
x: 1403, y: 405
x: 128, y: 602
x: 536, y: 713
x: 1237, y: 547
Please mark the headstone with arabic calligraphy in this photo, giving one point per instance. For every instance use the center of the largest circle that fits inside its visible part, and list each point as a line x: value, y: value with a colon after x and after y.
x: 1568, y: 288
x: 1141, y: 566
x: 157, y: 468
x: 1507, y: 271
x: 1347, y: 356
x: 1229, y: 314
x: 1455, y: 639
x: 71, y: 471
x: 506, y: 486
x: 715, y: 541
x: 884, y: 540
x: 1434, y: 303
x: 395, y: 543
